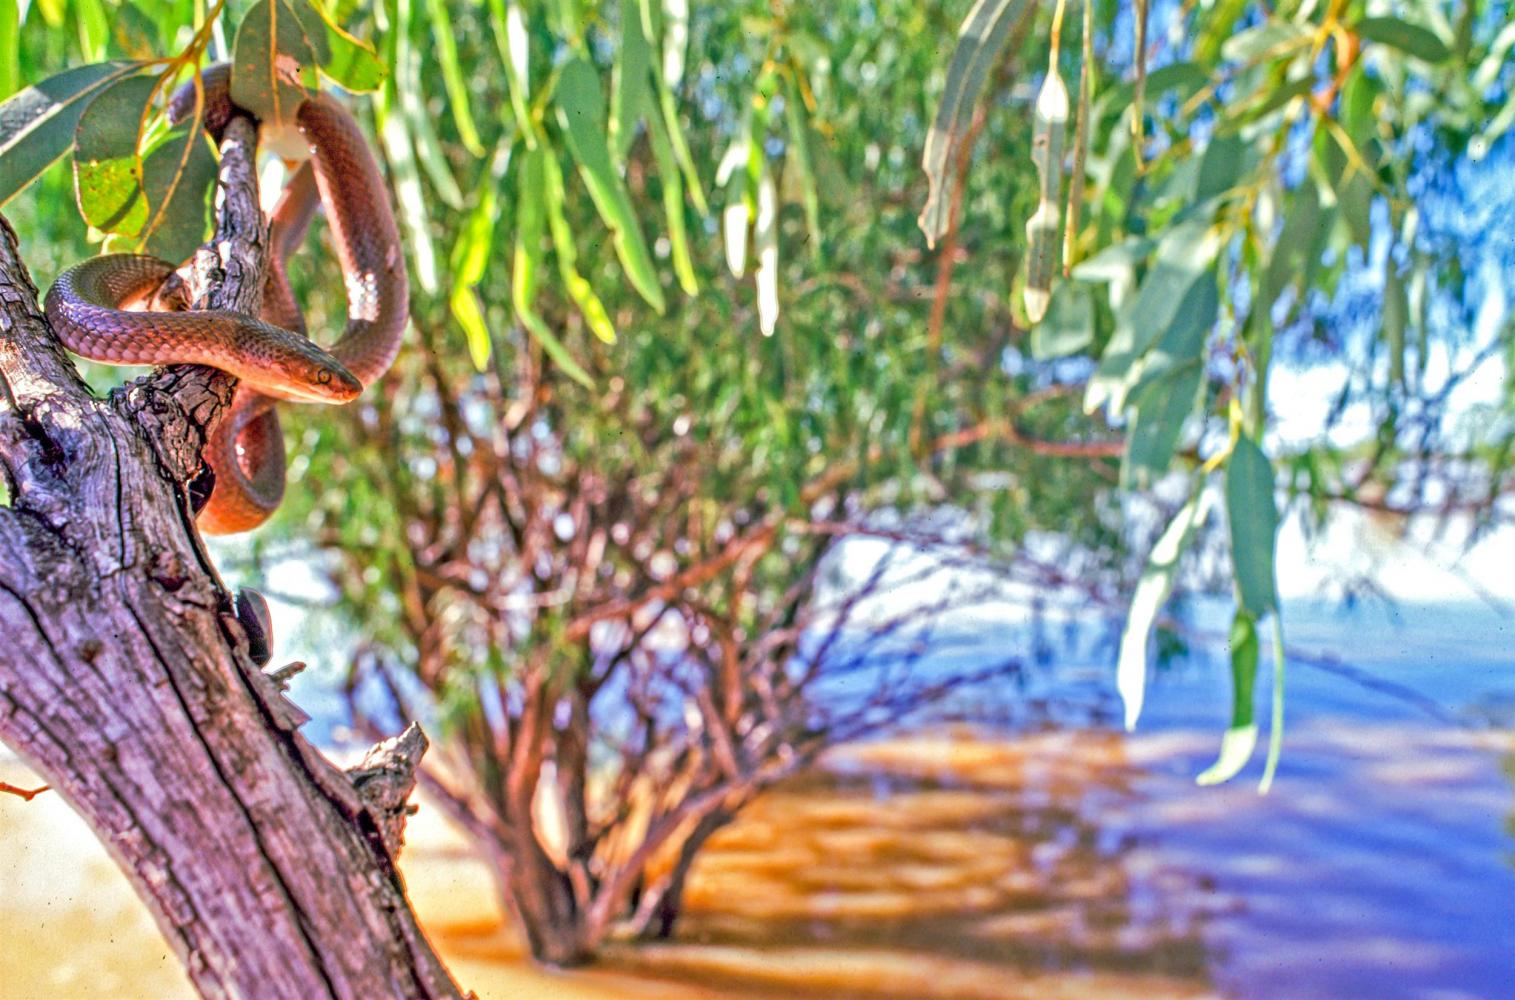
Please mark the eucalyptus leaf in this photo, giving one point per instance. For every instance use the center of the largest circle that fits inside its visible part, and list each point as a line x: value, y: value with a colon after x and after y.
x: 1068, y: 326
x: 1411, y: 39
x: 1253, y: 516
x: 272, y: 63
x: 37, y: 125
x: 581, y: 115
x: 979, y: 42
x: 1152, y: 592
x: 1240, y: 740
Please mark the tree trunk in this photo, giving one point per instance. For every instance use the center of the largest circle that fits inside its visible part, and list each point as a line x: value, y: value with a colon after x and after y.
x: 126, y: 682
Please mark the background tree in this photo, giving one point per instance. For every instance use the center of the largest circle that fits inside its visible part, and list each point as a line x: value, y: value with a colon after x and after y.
x: 586, y: 529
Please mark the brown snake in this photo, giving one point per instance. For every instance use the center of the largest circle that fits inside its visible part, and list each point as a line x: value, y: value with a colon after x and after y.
x: 271, y: 357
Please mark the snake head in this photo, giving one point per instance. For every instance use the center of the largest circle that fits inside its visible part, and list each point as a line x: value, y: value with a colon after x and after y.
x: 298, y: 370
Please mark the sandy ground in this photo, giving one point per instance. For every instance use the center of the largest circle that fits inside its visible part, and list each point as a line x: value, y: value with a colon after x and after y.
x: 824, y: 889
x: 74, y: 929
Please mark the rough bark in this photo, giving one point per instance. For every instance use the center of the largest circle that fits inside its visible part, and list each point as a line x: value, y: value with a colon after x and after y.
x: 126, y: 682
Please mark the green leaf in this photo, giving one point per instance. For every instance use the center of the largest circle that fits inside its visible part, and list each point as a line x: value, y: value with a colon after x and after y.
x: 37, y: 125
x: 1044, y: 229
x: 1227, y: 160
x: 1271, y: 40
x: 94, y: 28
x: 1152, y: 592
x: 766, y: 242
x: 272, y: 63
x: 530, y: 219
x: 631, y: 97
x: 581, y: 115
x: 511, y: 38
x: 1411, y: 39
x: 425, y: 148
x: 452, y: 77
x: 677, y: 21
x: 350, y: 63
x: 1396, y: 317
x: 580, y: 290
x: 107, y: 173
x: 400, y: 152
x: 1240, y: 740
x: 1294, y: 253
x: 799, y: 159
x: 1179, y: 269
x: 469, y: 260
x: 1068, y: 326
x: 10, y: 48
x: 983, y: 35
x: 673, y: 204
x: 1160, y: 410
x: 178, y: 175
x: 1253, y: 516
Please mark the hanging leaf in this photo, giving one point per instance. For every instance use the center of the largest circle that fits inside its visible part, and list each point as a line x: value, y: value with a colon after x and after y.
x: 1152, y: 592
x: 799, y: 161
x: 272, y: 63
x: 107, y: 171
x: 580, y: 290
x: 581, y: 115
x: 1253, y: 516
x: 1044, y: 228
x: 399, y: 150
x: 178, y: 175
x: 37, y: 125
x: 1068, y: 326
x: 1396, y: 319
x: 350, y: 63
x: 736, y: 216
x: 452, y: 77
x: 631, y: 95
x: 417, y: 121
x: 470, y: 259
x: 1411, y: 39
x: 1158, y: 414
x: 530, y: 228
x: 10, y: 48
x: 979, y: 42
x: 1239, y: 741
x: 767, y: 243
x: 511, y: 39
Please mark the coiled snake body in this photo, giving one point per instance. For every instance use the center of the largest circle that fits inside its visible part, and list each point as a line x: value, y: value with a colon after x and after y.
x: 270, y: 356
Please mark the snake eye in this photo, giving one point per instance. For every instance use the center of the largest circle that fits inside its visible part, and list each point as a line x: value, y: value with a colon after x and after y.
x: 324, y: 376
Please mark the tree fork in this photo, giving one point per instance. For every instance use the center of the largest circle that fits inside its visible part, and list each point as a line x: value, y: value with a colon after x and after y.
x: 126, y: 681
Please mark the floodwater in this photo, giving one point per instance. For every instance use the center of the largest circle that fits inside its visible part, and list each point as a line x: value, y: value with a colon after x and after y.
x: 1049, y: 856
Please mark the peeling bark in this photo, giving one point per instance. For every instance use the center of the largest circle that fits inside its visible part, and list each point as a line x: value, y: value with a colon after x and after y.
x: 126, y: 681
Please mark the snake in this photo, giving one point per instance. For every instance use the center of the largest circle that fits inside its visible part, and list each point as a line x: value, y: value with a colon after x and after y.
x: 95, y: 307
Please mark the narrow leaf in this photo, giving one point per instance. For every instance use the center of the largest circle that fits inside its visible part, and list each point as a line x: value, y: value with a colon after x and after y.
x: 107, y: 174
x: 1152, y: 592
x: 767, y: 243
x: 1068, y: 326
x: 581, y: 115
x: 37, y: 125
x: 1240, y: 739
x: 1253, y: 516
x: 1044, y: 228
x: 1411, y: 39
x: 580, y: 290
x: 979, y: 42
x: 452, y: 77
x: 530, y: 226
x: 10, y: 48
x: 349, y: 62
x: 272, y: 63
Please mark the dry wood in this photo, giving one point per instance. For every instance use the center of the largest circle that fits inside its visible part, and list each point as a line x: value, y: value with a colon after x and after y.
x: 126, y: 680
